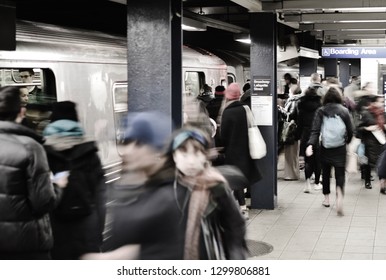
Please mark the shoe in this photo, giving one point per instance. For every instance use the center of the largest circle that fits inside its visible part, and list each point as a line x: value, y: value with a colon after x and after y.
x: 318, y: 187
x: 326, y: 204
x: 339, y: 202
x: 245, y: 213
x: 307, y: 188
x: 383, y: 191
x: 368, y: 185
x: 290, y: 179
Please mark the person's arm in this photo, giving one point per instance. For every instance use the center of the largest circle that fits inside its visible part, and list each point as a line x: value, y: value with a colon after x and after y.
x: 41, y: 192
x: 126, y: 252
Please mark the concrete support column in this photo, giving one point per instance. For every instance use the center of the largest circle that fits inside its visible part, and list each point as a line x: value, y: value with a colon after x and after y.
x: 330, y: 67
x: 344, y: 72
x: 7, y: 26
x: 154, y: 56
x: 263, y: 34
x: 307, y: 66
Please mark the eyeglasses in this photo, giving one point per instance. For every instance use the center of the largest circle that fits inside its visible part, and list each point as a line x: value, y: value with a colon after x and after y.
x: 25, y: 76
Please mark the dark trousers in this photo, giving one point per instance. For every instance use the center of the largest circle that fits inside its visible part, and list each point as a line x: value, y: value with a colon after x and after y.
x: 339, y: 177
x: 313, y: 165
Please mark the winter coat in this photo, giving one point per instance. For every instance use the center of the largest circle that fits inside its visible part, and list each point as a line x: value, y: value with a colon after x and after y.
x: 234, y: 137
x: 76, y: 235
x: 152, y: 217
x: 307, y: 106
x: 335, y: 156
x: 373, y: 148
x: 26, y: 194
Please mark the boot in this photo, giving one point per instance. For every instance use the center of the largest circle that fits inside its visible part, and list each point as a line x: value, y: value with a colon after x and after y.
x: 307, y: 188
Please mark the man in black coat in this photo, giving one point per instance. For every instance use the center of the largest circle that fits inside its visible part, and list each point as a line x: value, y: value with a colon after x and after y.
x: 26, y: 192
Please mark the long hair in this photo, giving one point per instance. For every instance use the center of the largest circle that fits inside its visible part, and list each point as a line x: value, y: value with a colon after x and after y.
x: 333, y: 95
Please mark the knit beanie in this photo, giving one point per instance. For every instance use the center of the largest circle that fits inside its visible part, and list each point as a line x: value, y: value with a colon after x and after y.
x: 219, y: 90
x: 64, y: 110
x: 233, y: 92
x: 150, y: 128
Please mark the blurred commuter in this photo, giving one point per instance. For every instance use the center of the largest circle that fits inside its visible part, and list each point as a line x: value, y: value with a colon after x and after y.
x: 24, y: 96
x: 287, y: 84
x: 372, y: 124
x: 183, y: 202
x: 307, y: 106
x: 234, y: 138
x: 316, y: 83
x: 206, y: 96
x: 27, y: 76
x: 333, y: 151
x: 362, y: 100
x: 213, y: 109
x: 291, y: 150
x: 78, y: 220
x: 349, y: 90
x: 246, y: 96
x: 27, y: 194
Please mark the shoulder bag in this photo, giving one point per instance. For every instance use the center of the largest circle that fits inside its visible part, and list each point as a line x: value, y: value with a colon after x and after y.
x: 257, y: 146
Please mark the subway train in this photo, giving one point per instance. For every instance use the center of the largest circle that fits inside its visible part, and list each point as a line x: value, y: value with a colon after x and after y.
x: 90, y: 69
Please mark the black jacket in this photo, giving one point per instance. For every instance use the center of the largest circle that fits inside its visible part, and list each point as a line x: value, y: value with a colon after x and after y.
x: 307, y: 106
x: 74, y: 236
x: 234, y: 137
x: 336, y: 156
x: 151, y: 216
x: 26, y: 193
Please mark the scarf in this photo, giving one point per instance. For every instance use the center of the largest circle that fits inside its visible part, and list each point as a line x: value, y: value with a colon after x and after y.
x: 198, y: 203
x: 378, y: 113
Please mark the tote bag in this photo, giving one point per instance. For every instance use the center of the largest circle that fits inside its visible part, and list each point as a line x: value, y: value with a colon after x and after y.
x: 257, y: 146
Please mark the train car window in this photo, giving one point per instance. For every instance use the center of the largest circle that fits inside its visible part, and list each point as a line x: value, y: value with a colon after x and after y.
x: 38, y: 92
x: 231, y: 78
x: 120, y: 101
x: 194, y: 83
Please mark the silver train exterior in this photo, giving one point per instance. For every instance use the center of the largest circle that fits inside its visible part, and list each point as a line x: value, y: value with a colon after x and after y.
x: 90, y: 69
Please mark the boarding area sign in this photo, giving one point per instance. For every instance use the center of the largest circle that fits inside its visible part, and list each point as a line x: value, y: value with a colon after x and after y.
x: 353, y: 52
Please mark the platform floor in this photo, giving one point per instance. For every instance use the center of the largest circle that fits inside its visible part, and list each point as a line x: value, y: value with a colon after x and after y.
x: 300, y: 228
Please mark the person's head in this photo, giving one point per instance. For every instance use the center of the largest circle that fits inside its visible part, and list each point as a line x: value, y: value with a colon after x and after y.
x: 64, y: 110
x: 333, y: 95
x: 10, y: 103
x: 311, y: 91
x: 219, y: 90
x: 315, y: 78
x: 143, y: 139
x: 376, y: 101
x: 189, y: 150
x: 207, y: 88
x: 287, y: 78
x: 26, y: 75
x: 24, y: 95
x: 246, y: 86
x: 233, y: 92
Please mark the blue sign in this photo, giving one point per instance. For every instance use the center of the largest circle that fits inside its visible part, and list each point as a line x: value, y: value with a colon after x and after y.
x: 353, y: 52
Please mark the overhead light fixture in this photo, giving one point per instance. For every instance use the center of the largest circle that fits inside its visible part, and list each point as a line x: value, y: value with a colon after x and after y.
x: 189, y: 24
x: 242, y: 37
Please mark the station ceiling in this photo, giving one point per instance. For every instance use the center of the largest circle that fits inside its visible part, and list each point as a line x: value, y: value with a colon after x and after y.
x: 329, y: 21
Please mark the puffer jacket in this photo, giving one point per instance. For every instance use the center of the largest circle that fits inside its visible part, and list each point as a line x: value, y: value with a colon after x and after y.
x: 26, y: 193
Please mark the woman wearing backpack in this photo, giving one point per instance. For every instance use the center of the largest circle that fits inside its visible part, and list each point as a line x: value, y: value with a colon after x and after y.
x: 333, y: 145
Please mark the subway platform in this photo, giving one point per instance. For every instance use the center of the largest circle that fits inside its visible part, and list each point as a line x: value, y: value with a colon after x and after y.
x: 301, y: 228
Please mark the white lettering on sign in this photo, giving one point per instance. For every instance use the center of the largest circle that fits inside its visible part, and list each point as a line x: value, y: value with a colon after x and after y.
x: 344, y: 51
x: 368, y: 51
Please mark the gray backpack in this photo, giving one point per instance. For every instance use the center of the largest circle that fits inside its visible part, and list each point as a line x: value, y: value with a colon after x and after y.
x: 333, y: 132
